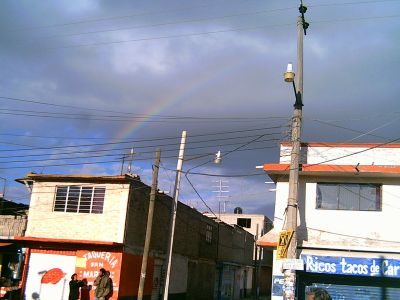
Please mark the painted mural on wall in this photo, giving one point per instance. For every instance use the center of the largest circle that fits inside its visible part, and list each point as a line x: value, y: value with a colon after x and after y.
x: 88, y: 264
x: 48, y: 276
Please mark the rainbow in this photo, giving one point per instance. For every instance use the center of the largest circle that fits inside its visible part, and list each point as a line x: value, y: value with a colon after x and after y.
x: 176, y: 97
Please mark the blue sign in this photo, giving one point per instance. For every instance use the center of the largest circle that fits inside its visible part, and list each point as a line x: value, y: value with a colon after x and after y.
x: 355, y: 266
x: 277, y: 285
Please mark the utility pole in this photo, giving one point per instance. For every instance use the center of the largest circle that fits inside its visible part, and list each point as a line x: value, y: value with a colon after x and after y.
x: 292, y: 206
x: 173, y: 214
x: 255, y: 284
x: 146, y: 248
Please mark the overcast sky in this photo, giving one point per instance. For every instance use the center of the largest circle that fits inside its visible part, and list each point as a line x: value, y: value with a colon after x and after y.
x: 112, y: 75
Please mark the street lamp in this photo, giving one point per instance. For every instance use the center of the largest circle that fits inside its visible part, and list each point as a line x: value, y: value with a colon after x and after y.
x: 289, y: 77
x: 218, y: 158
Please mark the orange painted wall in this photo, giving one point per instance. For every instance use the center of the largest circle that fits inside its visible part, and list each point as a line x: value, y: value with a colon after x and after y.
x: 130, y: 275
x: 57, y: 252
x: 88, y: 264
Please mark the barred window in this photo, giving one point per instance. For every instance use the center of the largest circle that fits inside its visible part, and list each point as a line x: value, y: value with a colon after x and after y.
x: 81, y: 199
x: 349, y: 196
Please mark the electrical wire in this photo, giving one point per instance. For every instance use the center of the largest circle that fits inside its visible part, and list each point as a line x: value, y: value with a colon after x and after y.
x: 139, y: 116
x: 201, y: 198
x: 131, y: 141
x: 164, y: 37
x: 202, y: 164
x: 350, y: 3
x: 237, y: 29
x: 149, y: 139
x: 345, y: 235
x: 112, y: 161
x: 78, y: 22
x: 115, y: 154
x: 185, y: 21
x: 347, y: 128
x: 155, y: 120
x: 108, y: 161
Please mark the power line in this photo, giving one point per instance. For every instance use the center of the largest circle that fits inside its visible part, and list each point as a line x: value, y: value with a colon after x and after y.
x: 237, y: 29
x: 347, y: 128
x: 346, y: 235
x: 166, y: 37
x: 109, y: 161
x: 356, y: 19
x: 201, y: 198
x: 81, y: 116
x: 351, y: 3
x: 178, y: 9
x: 107, y: 18
x: 124, y: 149
x: 136, y: 141
x: 114, y: 154
x: 205, y: 19
x: 148, y: 139
x: 142, y: 120
x: 169, y: 23
x: 126, y: 114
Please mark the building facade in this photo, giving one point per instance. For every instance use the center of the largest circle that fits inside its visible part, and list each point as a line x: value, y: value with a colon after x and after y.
x: 348, y: 209
x: 257, y: 225
x: 79, y: 224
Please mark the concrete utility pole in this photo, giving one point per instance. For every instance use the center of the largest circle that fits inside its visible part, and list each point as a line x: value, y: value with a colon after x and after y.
x: 292, y: 206
x: 146, y: 249
x: 173, y: 214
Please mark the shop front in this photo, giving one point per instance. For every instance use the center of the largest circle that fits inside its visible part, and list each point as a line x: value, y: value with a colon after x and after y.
x: 51, y: 263
x: 12, y: 258
x: 348, y: 277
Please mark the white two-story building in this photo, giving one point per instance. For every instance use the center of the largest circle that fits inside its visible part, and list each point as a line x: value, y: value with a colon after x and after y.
x: 348, y: 217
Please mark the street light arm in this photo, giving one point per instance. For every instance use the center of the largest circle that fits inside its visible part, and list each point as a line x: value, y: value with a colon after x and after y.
x: 299, y: 97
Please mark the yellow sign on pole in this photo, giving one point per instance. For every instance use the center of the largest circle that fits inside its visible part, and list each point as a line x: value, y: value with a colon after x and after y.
x: 283, y: 243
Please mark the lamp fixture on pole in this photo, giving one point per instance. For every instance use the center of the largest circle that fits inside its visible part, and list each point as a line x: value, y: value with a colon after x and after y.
x: 218, y: 158
x: 289, y: 77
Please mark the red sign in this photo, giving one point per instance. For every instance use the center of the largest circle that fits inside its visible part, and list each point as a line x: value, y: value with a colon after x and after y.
x: 53, y: 276
x: 88, y: 264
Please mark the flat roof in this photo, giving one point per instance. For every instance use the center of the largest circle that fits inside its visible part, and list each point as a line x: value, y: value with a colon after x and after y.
x: 344, y: 145
x: 393, y: 171
x: 125, y: 178
x: 42, y: 240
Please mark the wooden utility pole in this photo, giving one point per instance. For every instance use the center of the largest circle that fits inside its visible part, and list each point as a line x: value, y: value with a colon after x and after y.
x: 173, y: 215
x: 146, y: 249
x: 292, y: 206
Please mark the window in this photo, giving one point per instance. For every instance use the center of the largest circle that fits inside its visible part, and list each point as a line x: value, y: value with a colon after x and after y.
x: 209, y: 234
x: 349, y: 196
x: 81, y: 199
x: 244, y: 222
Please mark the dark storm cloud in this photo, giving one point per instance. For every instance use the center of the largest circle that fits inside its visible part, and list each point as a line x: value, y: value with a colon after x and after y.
x: 350, y: 73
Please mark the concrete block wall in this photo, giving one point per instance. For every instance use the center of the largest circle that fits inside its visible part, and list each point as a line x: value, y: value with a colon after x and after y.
x: 190, y: 226
x: 235, y: 245
x: 45, y: 223
x: 11, y: 226
x: 368, y: 230
x: 315, y: 153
